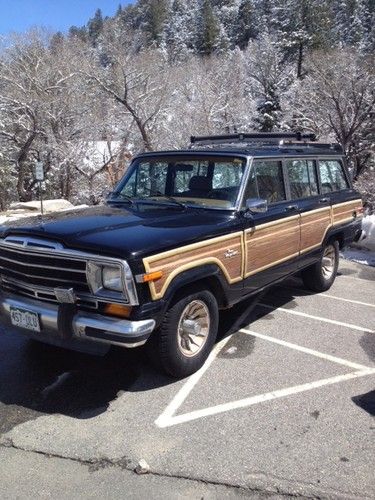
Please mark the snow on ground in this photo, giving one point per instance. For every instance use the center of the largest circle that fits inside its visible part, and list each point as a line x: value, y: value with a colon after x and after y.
x: 363, y: 252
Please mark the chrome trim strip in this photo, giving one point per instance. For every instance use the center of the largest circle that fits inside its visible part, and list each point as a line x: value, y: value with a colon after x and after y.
x: 32, y: 242
x: 244, y: 182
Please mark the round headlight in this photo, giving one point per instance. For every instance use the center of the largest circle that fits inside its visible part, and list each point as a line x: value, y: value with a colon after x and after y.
x: 112, y: 279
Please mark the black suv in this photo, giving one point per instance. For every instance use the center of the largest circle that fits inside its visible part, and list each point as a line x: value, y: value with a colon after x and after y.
x: 185, y: 234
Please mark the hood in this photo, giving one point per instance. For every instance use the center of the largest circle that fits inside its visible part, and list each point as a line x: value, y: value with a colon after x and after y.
x: 123, y: 232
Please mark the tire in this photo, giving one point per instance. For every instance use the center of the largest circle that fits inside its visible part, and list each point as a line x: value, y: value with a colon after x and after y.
x: 176, y: 348
x: 320, y: 276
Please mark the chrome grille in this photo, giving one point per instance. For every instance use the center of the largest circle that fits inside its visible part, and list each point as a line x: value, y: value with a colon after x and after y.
x: 45, y: 266
x: 38, y: 263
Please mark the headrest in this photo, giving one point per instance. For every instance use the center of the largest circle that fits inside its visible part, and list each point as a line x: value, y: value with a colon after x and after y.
x: 200, y: 183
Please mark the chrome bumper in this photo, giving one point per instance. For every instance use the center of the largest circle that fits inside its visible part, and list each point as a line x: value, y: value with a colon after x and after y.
x: 63, y: 325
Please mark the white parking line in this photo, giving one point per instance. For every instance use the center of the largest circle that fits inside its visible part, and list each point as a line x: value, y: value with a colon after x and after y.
x: 302, y: 293
x: 306, y: 350
x: 346, y: 300
x: 189, y: 385
x: 354, y: 278
x: 168, y: 417
x: 261, y: 398
x: 318, y: 318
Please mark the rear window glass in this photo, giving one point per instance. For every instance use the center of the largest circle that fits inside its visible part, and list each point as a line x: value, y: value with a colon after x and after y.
x: 332, y: 176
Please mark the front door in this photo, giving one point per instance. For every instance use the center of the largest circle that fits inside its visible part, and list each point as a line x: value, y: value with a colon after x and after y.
x: 271, y: 239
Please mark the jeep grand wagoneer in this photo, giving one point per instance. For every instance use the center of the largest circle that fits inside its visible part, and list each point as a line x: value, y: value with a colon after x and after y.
x: 185, y: 234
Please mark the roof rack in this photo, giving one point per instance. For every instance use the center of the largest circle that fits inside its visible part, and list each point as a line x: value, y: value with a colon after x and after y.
x: 259, y: 138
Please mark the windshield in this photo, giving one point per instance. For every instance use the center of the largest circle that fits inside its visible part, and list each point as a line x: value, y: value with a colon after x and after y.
x: 200, y: 181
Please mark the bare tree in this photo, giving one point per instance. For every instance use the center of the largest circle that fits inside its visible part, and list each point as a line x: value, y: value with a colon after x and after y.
x: 337, y: 100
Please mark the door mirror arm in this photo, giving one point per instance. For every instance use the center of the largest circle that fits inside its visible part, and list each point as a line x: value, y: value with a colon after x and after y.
x: 255, y: 206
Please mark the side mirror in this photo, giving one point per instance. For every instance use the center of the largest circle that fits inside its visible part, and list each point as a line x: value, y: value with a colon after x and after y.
x: 256, y: 205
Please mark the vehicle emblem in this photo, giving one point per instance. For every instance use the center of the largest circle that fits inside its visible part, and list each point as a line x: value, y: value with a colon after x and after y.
x: 230, y: 253
x: 65, y: 296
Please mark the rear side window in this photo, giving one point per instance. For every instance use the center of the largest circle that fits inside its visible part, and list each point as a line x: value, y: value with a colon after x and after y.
x: 302, y: 178
x: 332, y: 176
x: 270, y: 180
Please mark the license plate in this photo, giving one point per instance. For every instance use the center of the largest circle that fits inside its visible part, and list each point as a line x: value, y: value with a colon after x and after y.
x: 25, y: 319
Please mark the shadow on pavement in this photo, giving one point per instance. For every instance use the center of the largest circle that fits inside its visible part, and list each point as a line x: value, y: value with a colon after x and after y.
x: 40, y: 379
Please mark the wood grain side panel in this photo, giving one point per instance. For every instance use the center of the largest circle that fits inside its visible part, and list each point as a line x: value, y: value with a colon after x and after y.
x: 210, y: 252
x: 269, y: 245
x: 314, y: 226
x: 343, y: 212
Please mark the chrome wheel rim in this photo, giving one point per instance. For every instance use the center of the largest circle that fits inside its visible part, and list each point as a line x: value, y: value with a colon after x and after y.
x: 193, y: 328
x: 328, y: 262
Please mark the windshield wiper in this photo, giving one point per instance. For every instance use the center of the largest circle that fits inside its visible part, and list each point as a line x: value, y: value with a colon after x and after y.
x: 169, y: 198
x: 123, y: 197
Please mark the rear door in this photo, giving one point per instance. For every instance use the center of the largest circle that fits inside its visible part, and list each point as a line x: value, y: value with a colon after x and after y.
x: 271, y: 239
x: 315, y: 208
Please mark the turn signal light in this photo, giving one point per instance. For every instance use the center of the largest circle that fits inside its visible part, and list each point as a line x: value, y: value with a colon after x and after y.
x: 145, y: 278
x: 117, y: 310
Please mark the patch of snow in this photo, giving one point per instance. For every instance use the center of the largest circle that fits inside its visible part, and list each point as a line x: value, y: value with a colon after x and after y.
x: 363, y: 251
x: 368, y: 228
x: 359, y: 255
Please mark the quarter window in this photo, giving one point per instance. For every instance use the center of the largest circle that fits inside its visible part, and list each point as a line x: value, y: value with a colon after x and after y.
x: 302, y: 178
x: 332, y: 176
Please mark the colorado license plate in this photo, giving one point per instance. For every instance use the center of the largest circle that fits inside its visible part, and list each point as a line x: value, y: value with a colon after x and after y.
x: 25, y: 319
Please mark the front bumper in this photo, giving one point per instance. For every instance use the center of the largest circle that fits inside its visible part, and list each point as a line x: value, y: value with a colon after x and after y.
x: 69, y: 327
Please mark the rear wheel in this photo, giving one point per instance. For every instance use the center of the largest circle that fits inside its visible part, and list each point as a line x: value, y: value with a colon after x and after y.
x: 320, y: 276
x: 185, y: 339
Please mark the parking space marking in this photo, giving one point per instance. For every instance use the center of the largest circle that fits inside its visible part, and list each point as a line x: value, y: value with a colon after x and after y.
x: 169, y: 418
x: 318, y: 318
x: 327, y: 295
x: 306, y: 350
x: 189, y: 385
x: 346, y: 300
x: 339, y: 276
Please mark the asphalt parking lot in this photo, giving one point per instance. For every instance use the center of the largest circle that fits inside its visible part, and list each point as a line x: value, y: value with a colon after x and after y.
x: 285, y: 404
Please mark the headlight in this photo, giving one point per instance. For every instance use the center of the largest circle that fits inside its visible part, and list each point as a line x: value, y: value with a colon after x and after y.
x: 111, y: 281
x: 112, y: 278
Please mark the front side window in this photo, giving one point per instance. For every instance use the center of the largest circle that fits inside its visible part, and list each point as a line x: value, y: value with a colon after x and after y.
x: 196, y: 180
x: 332, y: 176
x: 266, y: 181
x: 302, y: 178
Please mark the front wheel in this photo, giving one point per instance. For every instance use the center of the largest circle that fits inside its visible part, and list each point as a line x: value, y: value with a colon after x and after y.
x: 185, y: 339
x: 320, y: 276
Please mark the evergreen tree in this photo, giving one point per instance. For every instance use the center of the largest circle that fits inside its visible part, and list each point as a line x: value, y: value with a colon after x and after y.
x: 178, y: 34
x: 245, y: 26
x: 95, y: 27
x: 152, y: 16
x: 208, y: 29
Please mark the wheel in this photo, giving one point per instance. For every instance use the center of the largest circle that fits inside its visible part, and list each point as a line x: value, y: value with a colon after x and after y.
x: 320, y: 276
x: 185, y: 339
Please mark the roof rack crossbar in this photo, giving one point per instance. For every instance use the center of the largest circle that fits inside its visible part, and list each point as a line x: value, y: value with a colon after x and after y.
x: 253, y: 137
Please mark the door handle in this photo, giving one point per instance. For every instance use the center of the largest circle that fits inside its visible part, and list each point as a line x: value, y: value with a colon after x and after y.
x: 324, y: 200
x: 291, y: 208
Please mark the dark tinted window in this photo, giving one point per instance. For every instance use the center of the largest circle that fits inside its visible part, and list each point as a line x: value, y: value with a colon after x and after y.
x: 332, y: 176
x: 302, y: 178
x: 270, y: 181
